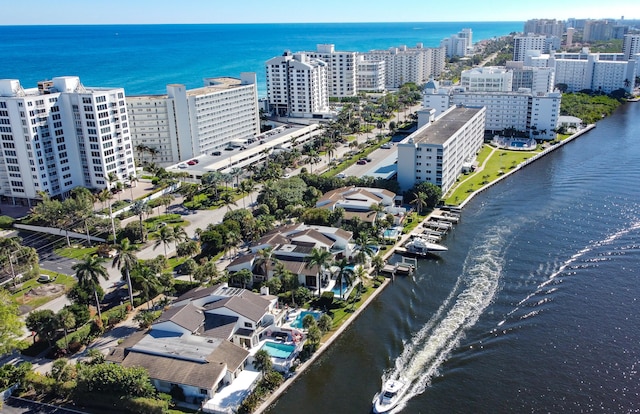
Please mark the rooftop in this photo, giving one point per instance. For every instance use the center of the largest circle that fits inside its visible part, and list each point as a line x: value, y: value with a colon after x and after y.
x: 439, y: 131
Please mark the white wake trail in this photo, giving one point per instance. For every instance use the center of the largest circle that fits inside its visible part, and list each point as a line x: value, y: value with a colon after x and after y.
x: 473, y: 292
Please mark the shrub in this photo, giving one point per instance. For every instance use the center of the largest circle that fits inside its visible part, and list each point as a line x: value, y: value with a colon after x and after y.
x: 144, y: 405
x: 6, y: 222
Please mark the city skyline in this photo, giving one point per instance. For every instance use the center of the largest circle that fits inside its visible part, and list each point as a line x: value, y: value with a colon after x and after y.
x: 332, y: 11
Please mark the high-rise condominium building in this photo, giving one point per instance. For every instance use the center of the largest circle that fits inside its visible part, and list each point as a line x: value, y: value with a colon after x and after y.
x: 370, y: 75
x: 631, y: 46
x: 297, y: 86
x: 437, y: 151
x: 182, y: 124
x: 521, y: 111
x: 61, y: 135
x: 341, y: 69
x: 404, y: 64
x: 459, y: 44
x: 487, y: 79
x: 530, y: 42
x: 548, y: 27
x: 605, y: 72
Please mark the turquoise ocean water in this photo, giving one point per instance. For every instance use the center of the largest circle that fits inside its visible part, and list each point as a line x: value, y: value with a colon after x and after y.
x: 144, y: 58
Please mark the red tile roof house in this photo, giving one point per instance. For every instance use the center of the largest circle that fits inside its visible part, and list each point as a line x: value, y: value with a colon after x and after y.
x: 204, y: 344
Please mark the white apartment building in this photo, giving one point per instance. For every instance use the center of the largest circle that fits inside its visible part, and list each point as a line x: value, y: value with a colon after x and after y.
x: 404, y: 64
x: 487, y: 79
x: 539, y: 80
x: 535, y: 114
x: 185, y: 123
x: 297, y: 86
x: 437, y: 151
x: 604, y: 72
x: 61, y: 135
x: 459, y: 44
x: 631, y: 46
x: 370, y: 75
x: 523, y: 44
x: 341, y: 69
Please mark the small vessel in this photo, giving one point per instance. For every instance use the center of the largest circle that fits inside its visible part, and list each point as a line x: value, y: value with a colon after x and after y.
x: 421, y: 246
x: 387, y: 399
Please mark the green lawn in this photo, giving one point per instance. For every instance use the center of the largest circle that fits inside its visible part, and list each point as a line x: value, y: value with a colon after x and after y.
x: 75, y: 252
x: 34, y: 301
x: 501, y: 162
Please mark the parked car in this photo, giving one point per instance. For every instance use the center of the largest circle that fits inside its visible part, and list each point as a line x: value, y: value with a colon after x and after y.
x: 182, y: 165
x: 216, y: 153
x: 386, y: 146
x: 192, y: 162
x: 361, y: 162
x: 341, y: 175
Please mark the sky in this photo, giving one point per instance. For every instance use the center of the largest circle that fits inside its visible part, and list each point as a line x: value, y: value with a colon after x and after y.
x: 46, y: 12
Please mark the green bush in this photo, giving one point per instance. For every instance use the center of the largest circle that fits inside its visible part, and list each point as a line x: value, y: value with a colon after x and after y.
x: 115, y: 315
x: 6, y: 222
x: 82, y: 336
x: 183, y: 286
x: 143, y: 405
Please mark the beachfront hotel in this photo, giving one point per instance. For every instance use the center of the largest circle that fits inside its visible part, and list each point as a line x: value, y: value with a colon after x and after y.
x: 459, y: 44
x: 370, y: 75
x: 441, y: 146
x: 183, y: 124
x: 297, y: 86
x: 60, y: 135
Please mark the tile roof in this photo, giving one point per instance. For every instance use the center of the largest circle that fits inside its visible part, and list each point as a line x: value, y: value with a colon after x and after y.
x: 247, y: 304
x: 197, y: 293
x: 177, y: 371
x: 187, y: 316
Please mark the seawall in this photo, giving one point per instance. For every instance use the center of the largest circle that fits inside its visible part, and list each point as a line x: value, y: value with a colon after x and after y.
x: 528, y: 161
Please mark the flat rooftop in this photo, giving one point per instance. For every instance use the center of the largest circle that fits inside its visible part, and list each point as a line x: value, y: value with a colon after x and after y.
x: 439, y: 131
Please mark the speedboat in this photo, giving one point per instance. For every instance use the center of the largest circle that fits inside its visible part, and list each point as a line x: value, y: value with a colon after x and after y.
x: 421, y: 246
x: 387, y: 399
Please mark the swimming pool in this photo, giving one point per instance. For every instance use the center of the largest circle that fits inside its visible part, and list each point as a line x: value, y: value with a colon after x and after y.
x: 297, y: 322
x: 336, y: 289
x: 278, y: 350
x: 391, y: 233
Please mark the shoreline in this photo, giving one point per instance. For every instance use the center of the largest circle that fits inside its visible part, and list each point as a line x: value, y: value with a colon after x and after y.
x: 323, y: 347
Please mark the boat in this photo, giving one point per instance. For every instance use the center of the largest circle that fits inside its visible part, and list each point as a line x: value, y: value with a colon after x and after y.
x: 421, y: 246
x: 388, y: 398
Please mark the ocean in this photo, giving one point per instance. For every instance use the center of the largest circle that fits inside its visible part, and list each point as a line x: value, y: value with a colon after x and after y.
x: 533, y: 309
x: 145, y: 58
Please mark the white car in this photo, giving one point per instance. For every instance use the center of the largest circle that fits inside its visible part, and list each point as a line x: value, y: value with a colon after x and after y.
x: 182, y: 165
x: 386, y: 146
x: 341, y: 175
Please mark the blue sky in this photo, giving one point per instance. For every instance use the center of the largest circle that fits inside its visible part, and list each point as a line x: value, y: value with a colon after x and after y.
x: 16, y: 12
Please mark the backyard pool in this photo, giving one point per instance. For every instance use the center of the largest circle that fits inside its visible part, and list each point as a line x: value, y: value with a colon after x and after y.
x: 392, y: 233
x: 297, y: 322
x: 278, y: 350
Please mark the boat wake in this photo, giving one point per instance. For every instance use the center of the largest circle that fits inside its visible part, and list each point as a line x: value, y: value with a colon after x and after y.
x: 570, y: 264
x: 473, y: 292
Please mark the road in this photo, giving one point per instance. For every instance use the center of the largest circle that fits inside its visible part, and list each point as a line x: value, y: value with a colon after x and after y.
x: 15, y: 405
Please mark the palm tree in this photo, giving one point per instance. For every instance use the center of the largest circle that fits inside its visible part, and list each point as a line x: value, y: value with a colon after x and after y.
x: 227, y: 200
x: 166, y: 201
x: 145, y: 281
x: 231, y: 241
x: 89, y: 272
x: 66, y: 321
x: 377, y: 262
x: 320, y: 258
x: 364, y: 246
x: 180, y: 234
x: 125, y: 260
x: 264, y: 259
x: 166, y: 235
x: 344, y: 273
x: 420, y: 201
x: 331, y: 149
x: 139, y: 208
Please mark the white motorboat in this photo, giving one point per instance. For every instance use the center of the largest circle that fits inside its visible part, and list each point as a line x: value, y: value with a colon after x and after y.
x: 421, y: 246
x: 392, y: 392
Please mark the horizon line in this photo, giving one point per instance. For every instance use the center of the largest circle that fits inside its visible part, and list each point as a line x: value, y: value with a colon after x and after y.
x: 251, y: 23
